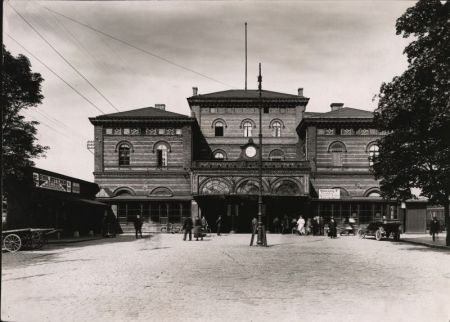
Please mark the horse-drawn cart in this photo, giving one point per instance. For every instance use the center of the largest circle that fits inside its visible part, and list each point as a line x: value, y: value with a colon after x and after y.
x: 26, y: 238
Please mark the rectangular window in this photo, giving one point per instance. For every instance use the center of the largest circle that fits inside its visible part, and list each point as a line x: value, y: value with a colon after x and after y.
x: 320, y: 132
x: 178, y: 132
x: 329, y: 131
x: 212, y: 110
x: 218, y: 131
x: 337, y: 159
x: 346, y: 131
x: 150, y: 131
x: 126, y: 131
x: 109, y: 131
x: 117, y: 131
x: 135, y: 131
x: 282, y: 110
x: 161, y: 131
x: 161, y: 156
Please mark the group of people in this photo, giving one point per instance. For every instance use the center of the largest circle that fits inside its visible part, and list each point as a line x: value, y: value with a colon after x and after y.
x: 310, y: 226
x: 199, y: 226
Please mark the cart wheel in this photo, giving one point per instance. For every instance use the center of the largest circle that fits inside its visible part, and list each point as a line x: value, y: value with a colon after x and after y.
x: 378, y: 235
x: 361, y: 233
x: 164, y: 229
x: 37, y: 240
x: 12, y: 243
x: 177, y: 230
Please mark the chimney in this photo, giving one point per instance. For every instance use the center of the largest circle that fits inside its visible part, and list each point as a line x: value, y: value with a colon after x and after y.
x: 336, y: 106
x: 300, y: 91
x: 194, y: 91
x: 160, y: 106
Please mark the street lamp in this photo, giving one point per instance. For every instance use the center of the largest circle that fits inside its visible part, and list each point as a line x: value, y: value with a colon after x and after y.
x: 261, y: 241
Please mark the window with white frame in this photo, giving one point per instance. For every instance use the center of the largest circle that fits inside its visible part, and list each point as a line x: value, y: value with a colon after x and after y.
x: 373, y: 153
x: 276, y: 129
x: 247, y: 129
x: 161, y: 155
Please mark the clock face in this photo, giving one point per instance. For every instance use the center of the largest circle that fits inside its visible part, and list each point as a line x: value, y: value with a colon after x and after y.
x: 250, y: 151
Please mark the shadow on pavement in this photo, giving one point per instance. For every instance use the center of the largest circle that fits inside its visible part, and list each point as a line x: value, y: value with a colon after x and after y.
x: 425, y: 249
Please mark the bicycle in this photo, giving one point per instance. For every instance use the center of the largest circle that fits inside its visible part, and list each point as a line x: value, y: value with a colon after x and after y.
x: 171, y: 228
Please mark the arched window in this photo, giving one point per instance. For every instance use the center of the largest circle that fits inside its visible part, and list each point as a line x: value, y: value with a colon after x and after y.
x: 124, y: 154
x: 161, y: 155
x: 218, y: 128
x: 219, y: 156
x: 276, y: 129
x: 247, y: 129
x: 373, y: 153
x: 337, y: 150
x: 276, y: 155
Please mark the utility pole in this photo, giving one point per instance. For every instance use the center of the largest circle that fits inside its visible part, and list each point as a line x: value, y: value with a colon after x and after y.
x: 261, y: 239
x: 245, y: 56
x: 1, y: 156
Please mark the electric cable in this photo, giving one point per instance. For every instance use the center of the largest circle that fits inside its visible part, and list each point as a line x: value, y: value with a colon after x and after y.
x: 54, y: 73
x: 140, y: 49
x: 63, y: 58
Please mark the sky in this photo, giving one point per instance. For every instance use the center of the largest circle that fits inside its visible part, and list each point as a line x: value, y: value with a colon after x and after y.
x: 338, y: 51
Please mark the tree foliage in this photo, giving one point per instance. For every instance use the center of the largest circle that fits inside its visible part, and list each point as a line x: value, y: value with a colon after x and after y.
x: 414, y: 109
x: 21, y: 89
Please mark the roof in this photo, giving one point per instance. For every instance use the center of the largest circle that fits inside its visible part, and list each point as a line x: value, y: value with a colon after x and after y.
x: 344, y: 113
x: 246, y: 94
x: 150, y: 112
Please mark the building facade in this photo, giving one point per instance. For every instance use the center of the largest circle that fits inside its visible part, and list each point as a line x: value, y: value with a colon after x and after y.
x: 167, y: 166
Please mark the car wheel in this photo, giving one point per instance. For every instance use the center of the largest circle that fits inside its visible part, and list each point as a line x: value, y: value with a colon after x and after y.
x: 361, y: 233
x: 378, y: 235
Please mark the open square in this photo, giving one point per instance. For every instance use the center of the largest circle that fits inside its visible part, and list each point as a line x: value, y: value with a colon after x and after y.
x: 162, y: 278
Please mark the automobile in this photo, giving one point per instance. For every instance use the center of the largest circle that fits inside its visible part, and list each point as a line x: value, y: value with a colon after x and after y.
x: 381, y: 230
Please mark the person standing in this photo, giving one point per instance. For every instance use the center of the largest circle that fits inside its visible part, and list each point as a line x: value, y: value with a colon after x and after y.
x: 198, y: 229
x: 320, y: 225
x: 301, y: 226
x: 204, y: 223
x: 332, y: 225
x: 219, y: 224
x: 434, y: 227
x: 187, y: 227
x: 308, y: 226
x: 254, y: 225
x: 138, y: 225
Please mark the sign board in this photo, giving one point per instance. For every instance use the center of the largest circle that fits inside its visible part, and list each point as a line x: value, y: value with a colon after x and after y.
x: 329, y: 193
x: 53, y: 183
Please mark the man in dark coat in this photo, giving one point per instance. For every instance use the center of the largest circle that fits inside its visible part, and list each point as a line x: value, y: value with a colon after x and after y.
x: 187, y: 227
x: 434, y: 227
x: 138, y: 226
x: 332, y: 225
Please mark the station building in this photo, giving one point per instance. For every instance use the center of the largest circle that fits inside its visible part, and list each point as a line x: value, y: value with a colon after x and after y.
x: 167, y: 166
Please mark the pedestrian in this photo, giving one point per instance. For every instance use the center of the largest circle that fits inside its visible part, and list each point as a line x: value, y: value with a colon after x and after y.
x: 321, y: 226
x: 314, y: 226
x: 187, y: 227
x: 198, y: 229
x: 276, y: 225
x: 254, y: 225
x: 138, y: 225
x: 301, y: 226
x: 219, y: 224
x: 204, y: 223
x: 434, y: 227
x: 308, y: 226
x: 332, y: 226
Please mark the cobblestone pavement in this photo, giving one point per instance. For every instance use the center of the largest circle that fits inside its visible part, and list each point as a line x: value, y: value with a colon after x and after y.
x: 221, y: 278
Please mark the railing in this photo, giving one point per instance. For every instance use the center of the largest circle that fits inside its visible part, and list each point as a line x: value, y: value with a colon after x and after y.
x: 243, y: 164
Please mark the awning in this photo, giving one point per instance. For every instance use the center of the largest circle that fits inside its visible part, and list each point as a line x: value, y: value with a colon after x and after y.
x: 146, y: 198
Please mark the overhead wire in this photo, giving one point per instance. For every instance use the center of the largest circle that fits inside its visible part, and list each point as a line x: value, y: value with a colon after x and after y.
x: 54, y: 73
x: 63, y: 58
x: 139, y: 49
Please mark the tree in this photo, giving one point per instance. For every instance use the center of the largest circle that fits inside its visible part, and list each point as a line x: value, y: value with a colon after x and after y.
x: 414, y: 110
x: 21, y: 89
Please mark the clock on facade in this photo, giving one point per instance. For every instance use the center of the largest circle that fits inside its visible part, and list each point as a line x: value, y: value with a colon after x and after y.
x: 250, y: 151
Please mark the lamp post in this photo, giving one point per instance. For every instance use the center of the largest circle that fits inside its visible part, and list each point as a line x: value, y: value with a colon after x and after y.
x: 403, y: 207
x: 260, y: 231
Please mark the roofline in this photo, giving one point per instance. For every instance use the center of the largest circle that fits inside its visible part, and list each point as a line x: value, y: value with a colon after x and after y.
x: 134, y: 119
x: 324, y: 120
